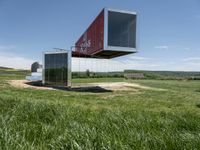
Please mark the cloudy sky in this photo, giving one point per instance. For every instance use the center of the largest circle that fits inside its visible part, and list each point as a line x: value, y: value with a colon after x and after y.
x: 168, y: 32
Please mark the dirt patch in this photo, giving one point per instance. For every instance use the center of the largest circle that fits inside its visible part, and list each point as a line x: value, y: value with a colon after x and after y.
x: 26, y: 84
x: 124, y: 86
x: 89, y: 87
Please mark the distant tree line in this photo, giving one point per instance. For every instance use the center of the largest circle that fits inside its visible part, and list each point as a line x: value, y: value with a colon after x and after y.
x: 140, y: 74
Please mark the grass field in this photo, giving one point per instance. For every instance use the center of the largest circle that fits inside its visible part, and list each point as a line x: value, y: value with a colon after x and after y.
x: 147, y: 119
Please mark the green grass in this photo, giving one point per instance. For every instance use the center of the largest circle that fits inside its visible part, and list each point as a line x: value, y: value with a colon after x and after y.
x: 8, y: 74
x: 148, y: 119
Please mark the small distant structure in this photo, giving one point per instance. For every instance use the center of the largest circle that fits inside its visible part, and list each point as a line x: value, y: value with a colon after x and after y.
x: 130, y: 75
x: 36, y: 72
x: 35, y: 66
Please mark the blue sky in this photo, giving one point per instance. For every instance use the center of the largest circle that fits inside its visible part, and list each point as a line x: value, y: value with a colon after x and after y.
x: 168, y: 31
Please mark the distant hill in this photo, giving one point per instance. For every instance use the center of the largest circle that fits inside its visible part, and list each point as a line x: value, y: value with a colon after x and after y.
x: 167, y: 74
x: 5, y: 67
x: 12, y: 74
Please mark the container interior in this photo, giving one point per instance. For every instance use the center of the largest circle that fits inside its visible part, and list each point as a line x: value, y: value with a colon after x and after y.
x: 121, y: 29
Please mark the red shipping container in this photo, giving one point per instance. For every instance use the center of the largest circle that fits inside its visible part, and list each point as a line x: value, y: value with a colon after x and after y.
x: 111, y: 34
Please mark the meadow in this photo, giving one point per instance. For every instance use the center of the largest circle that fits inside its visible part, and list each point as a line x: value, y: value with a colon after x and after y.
x: 143, y: 119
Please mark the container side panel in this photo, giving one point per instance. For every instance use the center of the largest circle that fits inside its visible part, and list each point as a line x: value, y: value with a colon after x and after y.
x: 92, y: 40
x: 56, y: 69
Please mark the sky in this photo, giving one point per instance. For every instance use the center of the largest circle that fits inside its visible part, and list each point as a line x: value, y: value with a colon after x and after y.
x: 168, y: 33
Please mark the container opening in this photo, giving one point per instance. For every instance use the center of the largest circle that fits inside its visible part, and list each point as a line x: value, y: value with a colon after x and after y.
x: 121, y: 29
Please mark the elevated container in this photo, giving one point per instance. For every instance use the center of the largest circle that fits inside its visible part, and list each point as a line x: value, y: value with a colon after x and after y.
x: 111, y: 34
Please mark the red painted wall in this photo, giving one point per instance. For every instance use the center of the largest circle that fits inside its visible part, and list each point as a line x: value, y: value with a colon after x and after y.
x: 93, y: 39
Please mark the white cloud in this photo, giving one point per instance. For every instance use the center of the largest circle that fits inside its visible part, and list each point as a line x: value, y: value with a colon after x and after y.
x: 132, y: 57
x: 11, y: 60
x: 162, y: 47
x: 15, y: 62
x: 174, y: 47
x: 191, y: 59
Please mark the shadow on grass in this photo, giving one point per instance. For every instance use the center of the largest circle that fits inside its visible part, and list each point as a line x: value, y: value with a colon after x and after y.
x: 198, y: 105
x: 91, y: 89
x: 197, y: 90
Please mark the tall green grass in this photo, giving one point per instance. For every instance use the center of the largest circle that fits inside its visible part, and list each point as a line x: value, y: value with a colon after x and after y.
x: 147, y: 119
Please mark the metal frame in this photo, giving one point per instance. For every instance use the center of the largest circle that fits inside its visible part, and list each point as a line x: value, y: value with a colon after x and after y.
x: 115, y: 48
x: 69, y: 64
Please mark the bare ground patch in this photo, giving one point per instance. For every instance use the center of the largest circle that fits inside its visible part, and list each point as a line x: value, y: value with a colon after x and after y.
x: 87, y: 87
x: 27, y: 84
x: 124, y: 86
